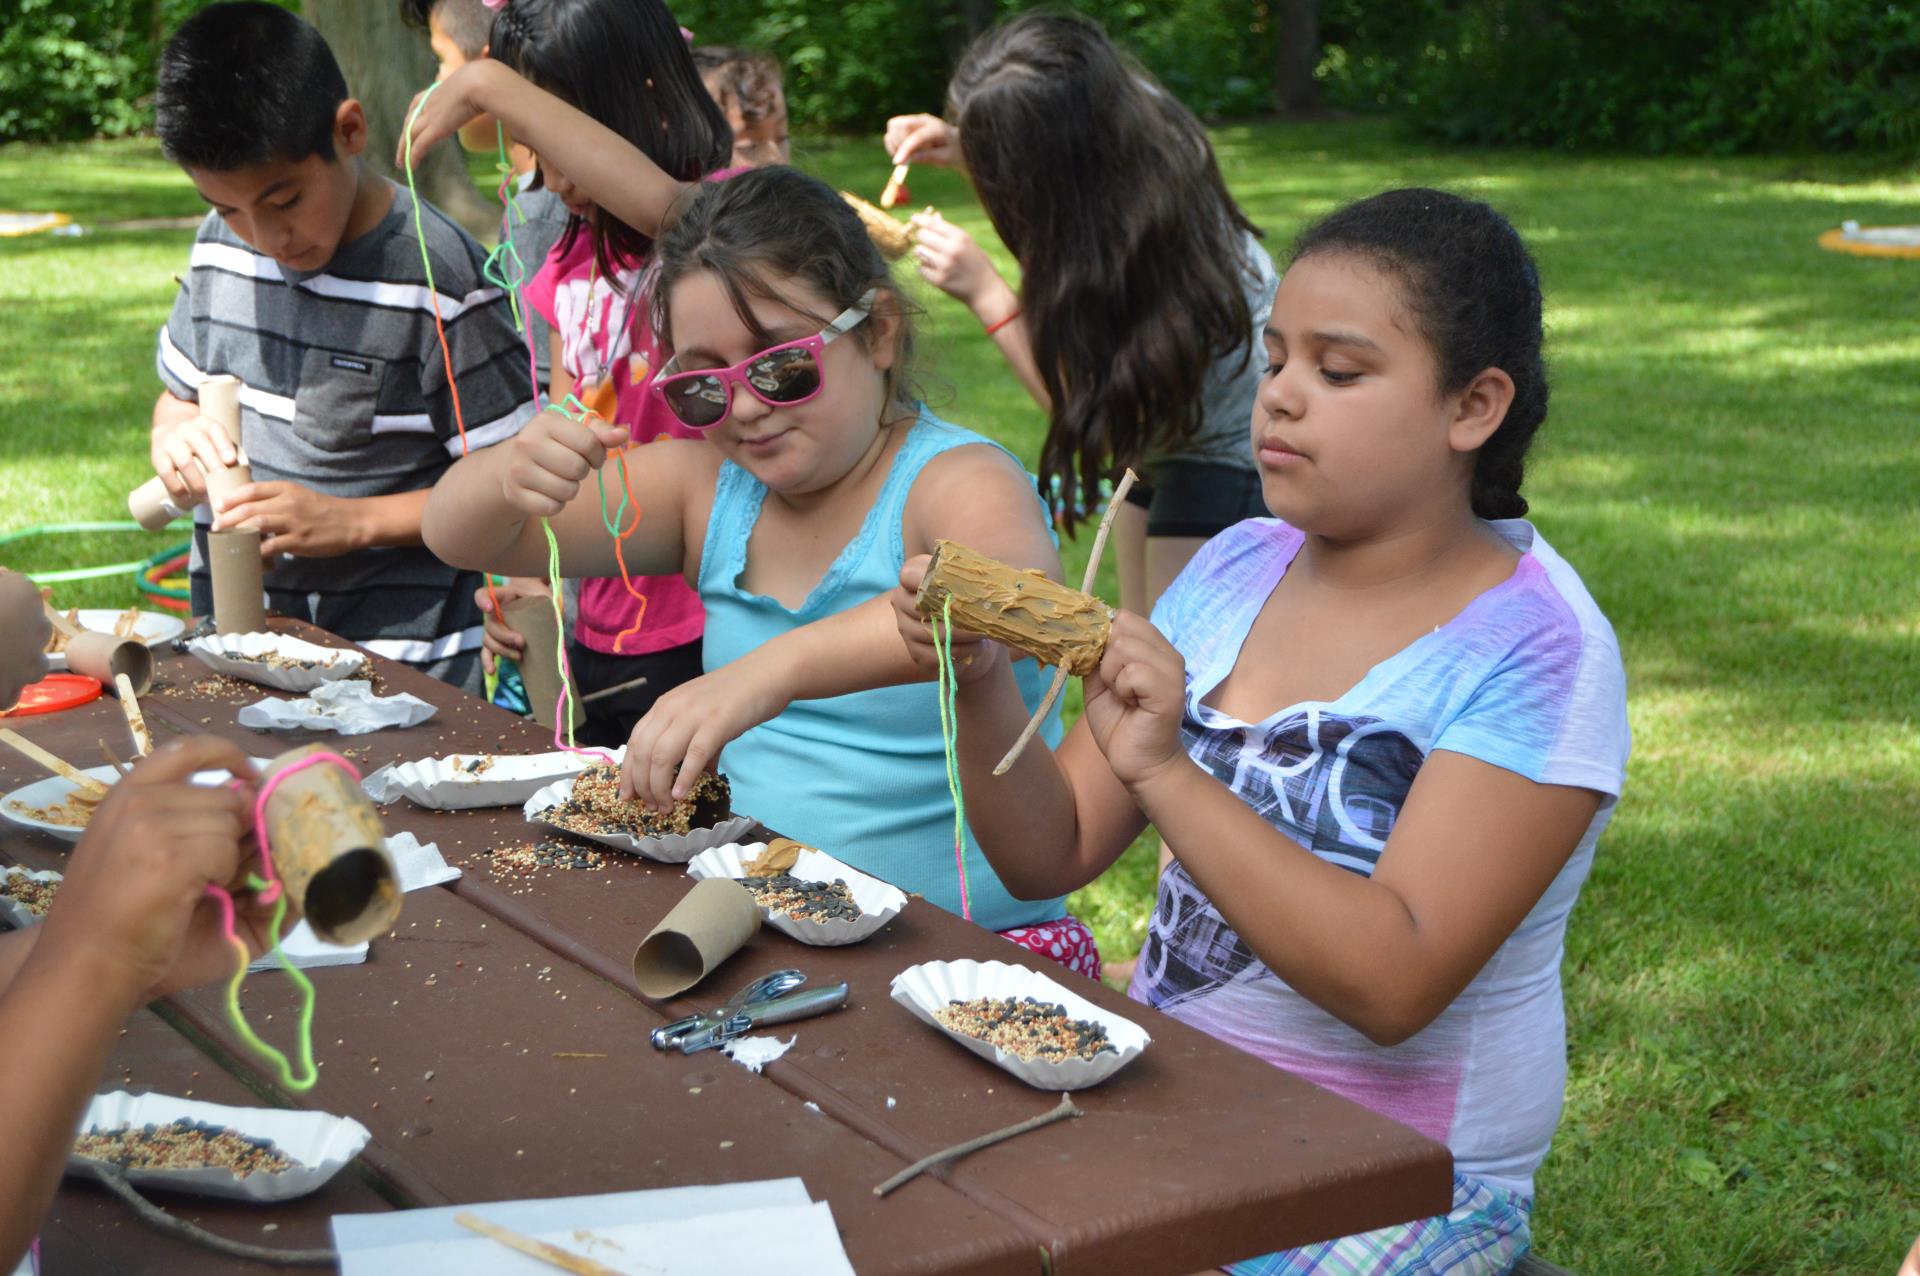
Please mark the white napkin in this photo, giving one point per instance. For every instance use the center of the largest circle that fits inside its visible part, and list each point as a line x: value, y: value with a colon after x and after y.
x: 347, y: 708
x: 420, y: 866
x: 755, y: 1053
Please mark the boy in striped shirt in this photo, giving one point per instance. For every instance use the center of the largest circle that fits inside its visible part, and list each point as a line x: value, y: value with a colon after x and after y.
x: 307, y: 283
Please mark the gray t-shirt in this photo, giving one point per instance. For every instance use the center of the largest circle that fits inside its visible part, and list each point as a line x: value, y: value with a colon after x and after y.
x: 1225, y: 434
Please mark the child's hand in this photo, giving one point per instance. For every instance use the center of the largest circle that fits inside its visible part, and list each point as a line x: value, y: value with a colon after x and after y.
x: 183, y: 453
x: 951, y: 260
x: 1912, y: 1266
x: 549, y: 459
x: 24, y: 631
x: 452, y: 105
x: 683, y: 733
x: 498, y: 638
x: 922, y: 139
x: 133, y: 906
x: 973, y: 655
x: 1135, y: 699
x: 292, y: 519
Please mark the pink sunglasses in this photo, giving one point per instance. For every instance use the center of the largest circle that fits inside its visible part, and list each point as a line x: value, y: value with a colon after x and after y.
x: 780, y: 376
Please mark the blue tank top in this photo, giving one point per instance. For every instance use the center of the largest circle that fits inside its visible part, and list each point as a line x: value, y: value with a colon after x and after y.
x: 861, y: 776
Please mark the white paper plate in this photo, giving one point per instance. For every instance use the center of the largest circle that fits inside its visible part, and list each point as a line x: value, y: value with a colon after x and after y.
x: 238, y: 656
x: 54, y: 790
x: 153, y: 628
x: 317, y: 1143
x: 879, y: 902
x: 444, y: 784
x: 15, y: 912
x: 51, y: 792
x: 672, y: 848
x: 929, y: 986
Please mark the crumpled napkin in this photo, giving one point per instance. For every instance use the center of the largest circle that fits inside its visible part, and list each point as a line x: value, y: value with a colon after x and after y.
x: 347, y: 708
x: 755, y: 1053
x: 420, y: 865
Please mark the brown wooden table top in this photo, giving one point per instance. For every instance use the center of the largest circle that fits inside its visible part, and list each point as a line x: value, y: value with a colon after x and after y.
x: 516, y: 995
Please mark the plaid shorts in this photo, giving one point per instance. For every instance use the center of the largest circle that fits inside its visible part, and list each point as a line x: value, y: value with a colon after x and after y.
x: 1485, y: 1235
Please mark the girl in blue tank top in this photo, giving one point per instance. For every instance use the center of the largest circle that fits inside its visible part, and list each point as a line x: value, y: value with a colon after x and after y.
x: 819, y: 474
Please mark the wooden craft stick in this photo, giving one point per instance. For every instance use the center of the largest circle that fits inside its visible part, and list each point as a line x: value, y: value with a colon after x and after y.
x: 891, y: 195
x: 1060, y: 671
x: 1065, y: 1110
x: 565, y: 1260
x: 61, y: 625
x: 614, y: 690
x: 87, y: 788
x: 136, y: 722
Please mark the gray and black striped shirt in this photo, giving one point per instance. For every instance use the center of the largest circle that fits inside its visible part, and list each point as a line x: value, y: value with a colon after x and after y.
x: 345, y: 392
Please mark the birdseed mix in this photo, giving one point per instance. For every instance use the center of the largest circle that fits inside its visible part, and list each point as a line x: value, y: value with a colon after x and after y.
x: 806, y: 901
x: 531, y: 857
x: 69, y: 812
x: 35, y: 897
x: 1026, y: 1028
x: 183, y: 1145
x: 595, y: 806
x: 478, y: 765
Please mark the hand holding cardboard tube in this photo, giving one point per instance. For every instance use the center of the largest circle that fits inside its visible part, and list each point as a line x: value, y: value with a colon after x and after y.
x: 197, y: 459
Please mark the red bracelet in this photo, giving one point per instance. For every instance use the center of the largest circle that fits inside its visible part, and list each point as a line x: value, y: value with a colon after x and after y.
x: 998, y: 324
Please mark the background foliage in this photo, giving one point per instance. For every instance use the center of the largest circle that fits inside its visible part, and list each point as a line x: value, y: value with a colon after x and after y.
x: 1709, y: 76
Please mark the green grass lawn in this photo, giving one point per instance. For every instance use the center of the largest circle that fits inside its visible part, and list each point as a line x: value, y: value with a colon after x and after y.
x: 1731, y: 463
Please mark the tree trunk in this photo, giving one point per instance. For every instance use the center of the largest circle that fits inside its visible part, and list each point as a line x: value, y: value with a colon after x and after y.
x: 386, y: 62
x: 1296, y: 52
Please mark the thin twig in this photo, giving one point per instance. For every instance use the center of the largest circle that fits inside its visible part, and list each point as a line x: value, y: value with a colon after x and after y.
x: 1060, y: 672
x: 113, y: 759
x: 154, y: 1216
x: 958, y: 1150
x: 614, y: 690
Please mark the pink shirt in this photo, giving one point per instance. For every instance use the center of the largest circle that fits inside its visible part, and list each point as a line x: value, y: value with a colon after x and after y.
x: 608, y: 348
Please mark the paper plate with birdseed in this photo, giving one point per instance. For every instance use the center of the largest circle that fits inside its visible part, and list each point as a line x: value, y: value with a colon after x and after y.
x: 25, y: 897
x: 817, y: 900
x: 1018, y: 1018
x: 462, y: 781
x: 184, y: 1145
x: 276, y: 660
x: 589, y: 806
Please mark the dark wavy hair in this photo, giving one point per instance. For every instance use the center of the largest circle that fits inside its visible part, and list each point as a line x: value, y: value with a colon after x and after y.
x: 244, y: 84
x: 624, y: 63
x: 770, y: 227
x: 1470, y: 283
x: 1132, y: 253
x: 748, y: 76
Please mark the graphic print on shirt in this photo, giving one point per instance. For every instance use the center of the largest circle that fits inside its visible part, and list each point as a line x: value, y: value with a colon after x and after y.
x: 1336, y: 784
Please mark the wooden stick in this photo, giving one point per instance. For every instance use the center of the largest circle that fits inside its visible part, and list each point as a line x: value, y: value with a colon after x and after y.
x: 61, y: 625
x: 113, y: 759
x: 89, y: 789
x: 565, y: 1260
x: 958, y: 1150
x: 891, y: 195
x: 614, y: 690
x: 136, y: 722
x: 1086, y: 587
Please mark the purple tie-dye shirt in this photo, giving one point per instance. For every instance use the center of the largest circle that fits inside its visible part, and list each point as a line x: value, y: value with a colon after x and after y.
x: 1527, y: 678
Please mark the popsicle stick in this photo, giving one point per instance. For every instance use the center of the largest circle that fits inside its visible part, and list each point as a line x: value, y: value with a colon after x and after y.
x: 61, y: 625
x: 565, y: 1260
x: 87, y: 788
x: 136, y: 722
x: 891, y: 195
x: 1086, y: 587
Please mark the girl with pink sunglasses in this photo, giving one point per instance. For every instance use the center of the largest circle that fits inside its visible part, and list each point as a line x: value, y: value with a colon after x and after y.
x: 819, y: 473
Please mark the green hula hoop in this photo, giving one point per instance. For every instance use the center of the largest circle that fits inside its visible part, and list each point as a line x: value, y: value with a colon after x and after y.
x: 80, y: 573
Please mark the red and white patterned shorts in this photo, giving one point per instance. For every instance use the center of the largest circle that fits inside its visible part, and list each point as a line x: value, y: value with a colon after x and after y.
x: 1065, y: 940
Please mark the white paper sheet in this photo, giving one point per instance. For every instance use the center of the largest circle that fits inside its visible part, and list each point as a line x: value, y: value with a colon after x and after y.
x: 755, y: 1053
x: 420, y: 865
x: 309, y: 952
x: 683, y: 1231
x: 344, y: 708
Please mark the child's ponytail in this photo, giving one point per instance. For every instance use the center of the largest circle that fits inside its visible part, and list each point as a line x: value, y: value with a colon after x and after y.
x: 1475, y: 291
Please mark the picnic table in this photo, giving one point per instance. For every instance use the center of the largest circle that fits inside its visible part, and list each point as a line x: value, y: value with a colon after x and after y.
x: 495, y: 1044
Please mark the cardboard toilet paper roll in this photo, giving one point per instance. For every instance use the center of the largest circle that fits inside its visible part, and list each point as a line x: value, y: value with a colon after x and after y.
x: 149, y: 503
x: 104, y: 656
x: 532, y: 618
x: 705, y: 928
x: 239, y: 584
x: 330, y: 850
